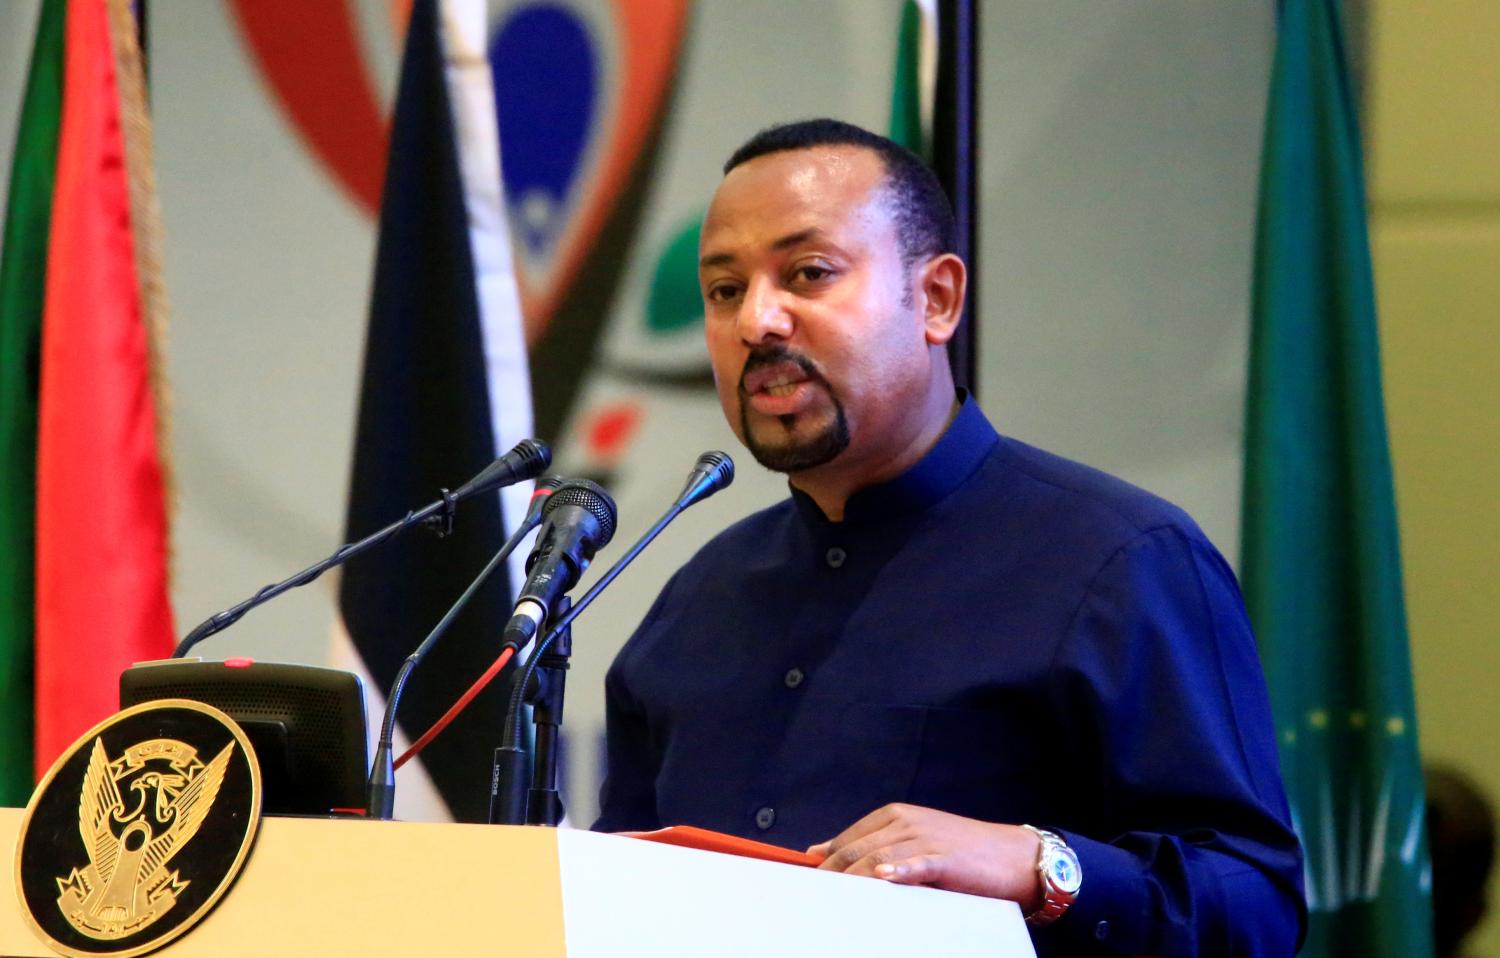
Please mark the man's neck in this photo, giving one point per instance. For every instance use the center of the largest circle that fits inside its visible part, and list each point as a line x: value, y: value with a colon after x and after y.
x: 832, y: 485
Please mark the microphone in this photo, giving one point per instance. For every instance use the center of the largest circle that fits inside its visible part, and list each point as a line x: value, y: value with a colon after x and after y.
x: 578, y: 520
x: 712, y: 472
x: 525, y: 461
x: 508, y: 792
x: 539, y: 496
x: 380, y: 789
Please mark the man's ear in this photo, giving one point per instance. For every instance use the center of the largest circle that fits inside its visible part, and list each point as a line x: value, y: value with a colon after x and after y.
x: 942, y: 281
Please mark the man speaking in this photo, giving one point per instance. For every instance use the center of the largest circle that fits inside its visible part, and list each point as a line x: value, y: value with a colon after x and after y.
x: 949, y: 658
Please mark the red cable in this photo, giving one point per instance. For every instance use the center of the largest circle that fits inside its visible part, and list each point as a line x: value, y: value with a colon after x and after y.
x: 459, y: 706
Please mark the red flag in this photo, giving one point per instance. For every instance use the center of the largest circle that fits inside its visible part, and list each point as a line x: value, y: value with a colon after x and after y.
x: 101, y: 570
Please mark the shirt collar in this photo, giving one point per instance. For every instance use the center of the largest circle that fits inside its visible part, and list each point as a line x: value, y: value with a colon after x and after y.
x: 955, y: 456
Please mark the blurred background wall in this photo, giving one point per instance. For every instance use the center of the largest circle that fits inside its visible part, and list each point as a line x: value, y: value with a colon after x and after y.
x: 1432, y: 133
x: 1120, y: 152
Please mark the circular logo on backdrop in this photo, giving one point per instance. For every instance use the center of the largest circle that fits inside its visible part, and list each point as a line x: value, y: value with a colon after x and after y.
x: 138, y: 829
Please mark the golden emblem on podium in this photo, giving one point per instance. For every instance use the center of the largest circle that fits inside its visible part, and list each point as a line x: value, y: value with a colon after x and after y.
x: 138, y: 830
x: 127, y: 884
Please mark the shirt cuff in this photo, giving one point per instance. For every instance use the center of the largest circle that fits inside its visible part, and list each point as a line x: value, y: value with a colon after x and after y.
x: 1113, y: 906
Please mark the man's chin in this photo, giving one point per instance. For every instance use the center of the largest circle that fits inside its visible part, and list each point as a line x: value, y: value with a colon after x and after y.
x: 783, y: 450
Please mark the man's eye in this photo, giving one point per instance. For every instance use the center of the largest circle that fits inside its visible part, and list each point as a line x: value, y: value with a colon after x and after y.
x: 722, y: 293
x: 813, y: 273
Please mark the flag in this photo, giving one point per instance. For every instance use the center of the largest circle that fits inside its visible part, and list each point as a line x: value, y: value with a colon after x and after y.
x: 22, y: 275
x: 101, y: 525
x: 444, y: 390
x: 1321, y: 564
x: 83, y: 520
x: 83, y: 312
x: 915, y: 77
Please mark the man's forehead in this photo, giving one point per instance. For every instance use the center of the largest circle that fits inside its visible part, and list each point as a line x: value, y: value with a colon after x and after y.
x: 794, y: 192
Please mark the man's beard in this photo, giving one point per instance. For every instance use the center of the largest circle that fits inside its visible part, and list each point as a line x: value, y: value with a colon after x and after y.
x: 807, y: 453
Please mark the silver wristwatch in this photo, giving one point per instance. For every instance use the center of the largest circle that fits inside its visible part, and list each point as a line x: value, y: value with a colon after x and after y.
x: 1061, y: 875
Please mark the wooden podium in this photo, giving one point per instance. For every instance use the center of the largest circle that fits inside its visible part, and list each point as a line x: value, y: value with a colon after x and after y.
x: 350, y: 887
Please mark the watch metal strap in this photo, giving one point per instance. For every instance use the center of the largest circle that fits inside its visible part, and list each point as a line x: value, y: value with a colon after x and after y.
x: 1055, y: 900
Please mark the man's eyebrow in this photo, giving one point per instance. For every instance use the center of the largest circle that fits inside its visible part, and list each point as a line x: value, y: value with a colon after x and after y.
x: 785, y: 242
x: 793, y: 239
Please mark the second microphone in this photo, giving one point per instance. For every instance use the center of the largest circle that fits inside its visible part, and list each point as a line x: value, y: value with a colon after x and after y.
x: 577, y: 521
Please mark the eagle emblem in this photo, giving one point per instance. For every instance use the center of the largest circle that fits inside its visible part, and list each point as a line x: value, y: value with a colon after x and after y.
x: 135, y: 812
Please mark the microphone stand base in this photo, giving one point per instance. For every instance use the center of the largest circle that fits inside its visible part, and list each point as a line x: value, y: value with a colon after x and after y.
x: 508, y: 786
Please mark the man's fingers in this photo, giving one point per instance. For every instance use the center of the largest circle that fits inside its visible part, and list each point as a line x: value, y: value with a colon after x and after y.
x: 917, y: 870
x: 892, y: 853
x: 873, y: 822
x: 842, y: 858
x: 820, y: 849
x: 919, y: 846
x: 886, y: 825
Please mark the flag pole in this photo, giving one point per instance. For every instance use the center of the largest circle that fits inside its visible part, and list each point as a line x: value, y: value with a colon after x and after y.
x: 141, y: 38
x: 955, y: 146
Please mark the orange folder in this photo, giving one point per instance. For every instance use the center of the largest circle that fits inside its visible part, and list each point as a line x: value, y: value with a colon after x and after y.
x: 689, y: 836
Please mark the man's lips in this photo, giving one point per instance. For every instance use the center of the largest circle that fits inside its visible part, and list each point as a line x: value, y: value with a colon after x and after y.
x: 778, y: 385
x: 784, y: 400
x: 777, y: 379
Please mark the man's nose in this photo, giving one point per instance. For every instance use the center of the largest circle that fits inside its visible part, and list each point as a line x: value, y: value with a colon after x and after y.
x: 764, y: 314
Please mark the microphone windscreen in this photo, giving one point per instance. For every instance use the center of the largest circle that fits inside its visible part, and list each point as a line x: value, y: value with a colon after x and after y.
x: 713, y: 471
x: 528, y: 459
x: 590, y: 497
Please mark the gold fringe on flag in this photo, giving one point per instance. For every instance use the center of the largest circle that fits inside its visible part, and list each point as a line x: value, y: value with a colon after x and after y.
x: 146, y: 228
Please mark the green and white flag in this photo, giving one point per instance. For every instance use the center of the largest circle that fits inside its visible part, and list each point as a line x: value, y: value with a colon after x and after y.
x: 1321, y: 565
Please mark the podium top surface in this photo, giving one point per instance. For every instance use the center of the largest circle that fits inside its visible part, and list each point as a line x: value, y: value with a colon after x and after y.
x: 314, y: 886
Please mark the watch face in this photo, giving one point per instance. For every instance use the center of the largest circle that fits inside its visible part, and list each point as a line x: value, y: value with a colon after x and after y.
x: 1063, y: 871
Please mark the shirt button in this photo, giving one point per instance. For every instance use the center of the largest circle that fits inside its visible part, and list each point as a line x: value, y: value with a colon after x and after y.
x: 1101, y: 930
x: 835, y: 557
x: 765, y: 818
x: 794, y: 678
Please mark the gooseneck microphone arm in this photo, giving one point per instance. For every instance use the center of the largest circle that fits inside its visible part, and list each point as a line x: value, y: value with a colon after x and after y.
x: 525, y: 461
x: 223, y: 620
x: 509, y: 782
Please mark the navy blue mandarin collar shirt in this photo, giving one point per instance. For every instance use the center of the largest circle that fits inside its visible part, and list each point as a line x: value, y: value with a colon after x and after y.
x: 997, y: 633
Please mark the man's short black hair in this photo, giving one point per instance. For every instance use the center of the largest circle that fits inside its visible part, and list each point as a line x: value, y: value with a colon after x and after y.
x: 919, y: 207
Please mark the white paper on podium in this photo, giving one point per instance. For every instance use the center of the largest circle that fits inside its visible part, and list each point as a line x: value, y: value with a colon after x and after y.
x: 622, y: 896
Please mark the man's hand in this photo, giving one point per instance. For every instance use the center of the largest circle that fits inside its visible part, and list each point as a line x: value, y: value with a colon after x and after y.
x: 921, y: 846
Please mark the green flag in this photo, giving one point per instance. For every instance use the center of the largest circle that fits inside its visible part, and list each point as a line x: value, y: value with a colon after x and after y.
x: 912, y: 85
x: 23, y: 263
x: 1322, y: 569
